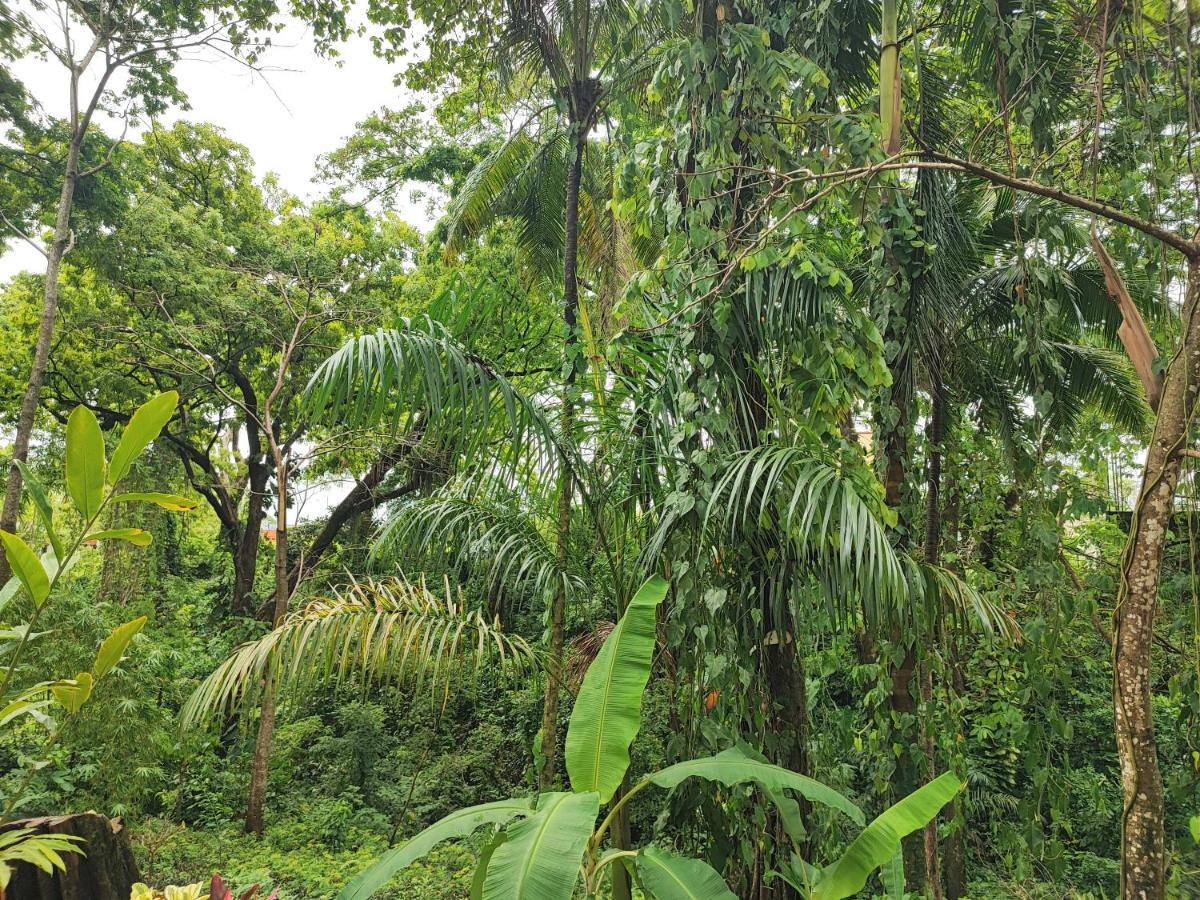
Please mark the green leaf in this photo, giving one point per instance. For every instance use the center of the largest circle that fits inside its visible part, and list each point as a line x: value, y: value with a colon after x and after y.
x: 85, y: 461
x: 608, y: 710
x: 51, y: 567
x: 670, y: 877
x: 144, y: 426
x: 19, y: 707
x: 485, y: 857
x: 113, y: 647
x: 892, y: 876
x: 172, y: 502
x: 732, y: 767
x: 45, y: 511
x: 135, y: 536
x: 73, y: 693
x: 541, y: 858
x: 1194, y: 827
x: 458, y: 824
x: 878, y: 842
x: 27, y: 567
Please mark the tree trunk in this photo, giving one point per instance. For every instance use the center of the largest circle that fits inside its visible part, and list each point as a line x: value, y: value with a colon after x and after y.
x: 41, y: 348
x: 566, y: 489
x: 106, y: 870
x: 896, y: 451
x: 1143, y: 854
x: 266, y: 722
x: 933, y: 542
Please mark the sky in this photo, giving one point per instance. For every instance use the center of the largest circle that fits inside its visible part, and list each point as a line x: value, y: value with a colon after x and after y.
x: 302, y: 107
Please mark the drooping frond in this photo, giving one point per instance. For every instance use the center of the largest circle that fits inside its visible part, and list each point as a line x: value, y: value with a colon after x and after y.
x: 525, y: 179
x: 418, y: 373
x: 376, y: 631
x: 948, y: 599
x: 478, y: 533
x: 1097, y: 377
x: 820, y: 515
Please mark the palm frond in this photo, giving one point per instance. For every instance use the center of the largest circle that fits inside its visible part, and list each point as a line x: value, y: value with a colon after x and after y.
x: 948, y: 599
x: 1097, y: 377
x: 479, y: 533
x: 523, y: 178
x: 375, y: 631
x: 819, y: 513
x: 418, y: 373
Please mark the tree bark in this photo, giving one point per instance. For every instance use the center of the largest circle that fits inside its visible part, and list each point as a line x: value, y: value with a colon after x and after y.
x: 41, y: 349
x: 106, y: 870
x: 566, y: 489
x: 933, y: 545
x: 1143, y: 853
x: 266, y: 723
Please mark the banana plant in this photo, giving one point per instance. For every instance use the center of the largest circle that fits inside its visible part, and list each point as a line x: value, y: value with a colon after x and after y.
x: 543, y: 848
x: 92, y: 483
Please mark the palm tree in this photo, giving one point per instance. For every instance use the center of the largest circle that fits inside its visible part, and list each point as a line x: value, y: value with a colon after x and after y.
x: 583, y: 49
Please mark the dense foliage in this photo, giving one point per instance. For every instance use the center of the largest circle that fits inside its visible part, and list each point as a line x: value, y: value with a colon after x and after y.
x: 773, y: 474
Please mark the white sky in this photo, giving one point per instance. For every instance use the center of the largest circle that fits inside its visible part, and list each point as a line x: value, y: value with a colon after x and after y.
x: 304, y: 106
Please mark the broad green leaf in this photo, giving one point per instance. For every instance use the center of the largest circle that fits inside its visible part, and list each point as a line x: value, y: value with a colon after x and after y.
x: 670, y: 877
x: 892, y: 876
x: 732, y: 767
x: 73, y: 693
x: 27, y: 567
x: 113, y: 647
x: 172, y: 502
x: 85, y: 461
x: 541, y: 858
x: 787, y: 807
x: 878, y: 842
x: 20, y: 707
x: 485, y: 857
x: 1194, y: 827
x: 144, y: 426
x: 51, y: 567
x: 608, y: 710
x: 41, y: 503
x: 458, y: 824
x: 135, y: 536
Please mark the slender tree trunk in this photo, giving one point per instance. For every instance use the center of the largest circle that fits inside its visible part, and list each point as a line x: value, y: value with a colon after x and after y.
x: 566, y: 488
x: 266, y: 723
x: 933, y: 541
x: 1143, y: 853
x: 955, y: 851
x: 896, y: 453
x: 41, y: 348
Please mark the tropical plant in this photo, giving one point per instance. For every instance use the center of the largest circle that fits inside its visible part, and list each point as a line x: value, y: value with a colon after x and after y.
x: 376, y: 630
x: 92, y: 484
x: 541, y: 847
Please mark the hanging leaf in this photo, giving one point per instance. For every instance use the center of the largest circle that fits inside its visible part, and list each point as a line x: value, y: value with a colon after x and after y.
x: 608, y: 710
x: 27, y: 567
x: 73, y: 693
x: 41, y: 503
x: 144, y: 426
x: 541, y: 858
x: 732, y: 767
x: 113, y: 646
x: 85, y: 461
x: 135, y: 536
x: 458, y: 824
x: 670, y: 877
x: 172, y: 502
x: 878, y: 843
